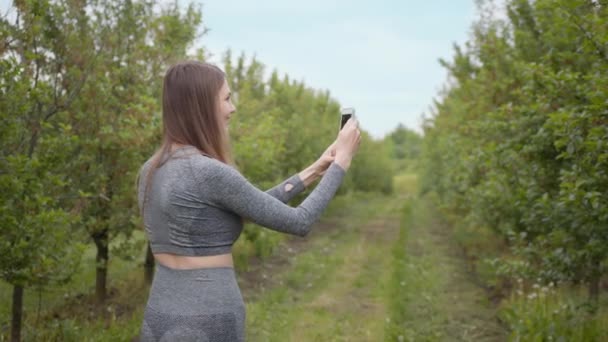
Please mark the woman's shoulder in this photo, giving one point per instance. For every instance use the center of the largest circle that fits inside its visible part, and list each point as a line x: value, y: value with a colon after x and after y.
x: 145, y: 167
x: 188, y: 157
x: 204, y: 164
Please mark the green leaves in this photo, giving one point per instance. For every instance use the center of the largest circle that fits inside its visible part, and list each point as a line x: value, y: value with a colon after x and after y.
x: 519, y: 142
x: 37, y: 244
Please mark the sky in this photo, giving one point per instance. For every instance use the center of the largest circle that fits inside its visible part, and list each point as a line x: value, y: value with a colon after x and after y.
x: 380, y: 57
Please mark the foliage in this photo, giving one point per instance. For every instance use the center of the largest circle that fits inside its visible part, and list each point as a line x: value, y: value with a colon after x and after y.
x: 406, y: 147
x: 518, y: 140
x: 372, y: 168
x: 38, y: 208
x: 281, y: 125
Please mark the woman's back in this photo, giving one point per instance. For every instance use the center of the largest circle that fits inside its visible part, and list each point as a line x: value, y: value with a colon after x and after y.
x: 179, y: 214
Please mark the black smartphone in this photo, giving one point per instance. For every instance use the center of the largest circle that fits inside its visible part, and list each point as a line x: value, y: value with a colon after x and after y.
x: 346, y: 113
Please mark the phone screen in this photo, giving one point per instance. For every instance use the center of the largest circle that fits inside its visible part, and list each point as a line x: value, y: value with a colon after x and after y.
x: 345, y: 118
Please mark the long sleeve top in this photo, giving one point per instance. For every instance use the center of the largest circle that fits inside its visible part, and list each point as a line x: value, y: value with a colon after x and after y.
x: 195, y: 204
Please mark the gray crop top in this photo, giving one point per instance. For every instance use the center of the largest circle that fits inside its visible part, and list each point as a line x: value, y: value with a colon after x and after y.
x: 195, y: 204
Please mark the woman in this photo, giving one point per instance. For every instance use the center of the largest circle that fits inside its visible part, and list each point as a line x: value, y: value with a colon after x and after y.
x: 193, y: 203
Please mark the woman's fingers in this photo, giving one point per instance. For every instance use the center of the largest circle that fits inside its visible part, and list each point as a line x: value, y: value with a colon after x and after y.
x: 351, y: 126
x: 352, y: 122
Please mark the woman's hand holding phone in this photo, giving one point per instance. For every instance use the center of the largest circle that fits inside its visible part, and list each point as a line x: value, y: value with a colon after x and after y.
x: 347, y: 143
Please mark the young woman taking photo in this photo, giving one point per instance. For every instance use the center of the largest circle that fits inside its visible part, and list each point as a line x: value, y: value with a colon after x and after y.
x: 194, y: 202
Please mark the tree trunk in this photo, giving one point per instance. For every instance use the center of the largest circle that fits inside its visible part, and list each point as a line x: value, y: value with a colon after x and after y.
x: 594, y: 282
x: 101, y: 274
x: 149, y: 266
x: 594, y: 290
x: 17, y: 313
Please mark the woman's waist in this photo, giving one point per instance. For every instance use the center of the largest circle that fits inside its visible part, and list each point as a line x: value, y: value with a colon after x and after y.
x: 187, y: 262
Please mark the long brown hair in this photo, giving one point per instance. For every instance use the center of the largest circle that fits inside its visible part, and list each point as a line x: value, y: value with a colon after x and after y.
x: 190, y: 96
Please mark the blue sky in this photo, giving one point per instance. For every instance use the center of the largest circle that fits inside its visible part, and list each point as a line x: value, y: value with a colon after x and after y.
x: 380, y: 57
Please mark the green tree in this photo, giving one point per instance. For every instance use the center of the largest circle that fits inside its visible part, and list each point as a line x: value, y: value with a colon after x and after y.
x: 373, y: 167
x: 39, y: 207
x: 405, y: 145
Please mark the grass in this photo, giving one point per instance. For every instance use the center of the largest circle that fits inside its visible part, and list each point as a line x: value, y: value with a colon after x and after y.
x: 550, y: 313
x: 398, y: 316
x: 434, y: 296
x: 75, y: 329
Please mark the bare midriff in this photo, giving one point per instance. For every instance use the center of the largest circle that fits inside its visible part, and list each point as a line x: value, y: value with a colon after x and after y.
x: 182, y: 262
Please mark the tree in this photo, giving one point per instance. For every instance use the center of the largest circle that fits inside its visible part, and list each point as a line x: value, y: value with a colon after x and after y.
x: 405, y: 146
x: 38, y: 209
x: 117, y: 116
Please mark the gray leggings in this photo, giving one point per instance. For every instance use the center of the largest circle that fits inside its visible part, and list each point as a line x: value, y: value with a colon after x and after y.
x: 194, y: 305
